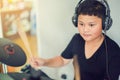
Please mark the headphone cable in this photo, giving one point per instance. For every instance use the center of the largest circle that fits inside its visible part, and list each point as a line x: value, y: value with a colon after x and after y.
x: 106, y: 51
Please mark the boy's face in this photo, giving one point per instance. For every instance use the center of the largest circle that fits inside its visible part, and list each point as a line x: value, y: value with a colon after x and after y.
x: 90, y: 27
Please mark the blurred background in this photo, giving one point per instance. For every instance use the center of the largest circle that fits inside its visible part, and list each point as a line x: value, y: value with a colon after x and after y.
x: 10, y: 12
x: 49, y: 28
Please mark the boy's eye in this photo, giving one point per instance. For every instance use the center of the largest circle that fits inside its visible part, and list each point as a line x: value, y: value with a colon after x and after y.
x: 81, y: 24
x: 92, y: 25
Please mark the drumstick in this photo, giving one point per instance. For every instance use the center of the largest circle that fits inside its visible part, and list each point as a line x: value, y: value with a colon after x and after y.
x: 23, y: 36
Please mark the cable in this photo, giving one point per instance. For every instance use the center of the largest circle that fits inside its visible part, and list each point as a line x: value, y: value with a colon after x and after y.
x: 106, y: 51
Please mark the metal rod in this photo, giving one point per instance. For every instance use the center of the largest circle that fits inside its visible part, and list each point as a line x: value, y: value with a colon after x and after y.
x: 4, y: 68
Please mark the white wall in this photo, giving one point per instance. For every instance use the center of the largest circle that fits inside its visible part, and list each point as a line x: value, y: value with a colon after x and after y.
x: 55, y: 29
x: 114, y: 32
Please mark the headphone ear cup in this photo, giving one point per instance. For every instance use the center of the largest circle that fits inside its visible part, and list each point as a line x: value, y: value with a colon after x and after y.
x: 107, y: 23
x: 110, y: 23
x: 75, y: 20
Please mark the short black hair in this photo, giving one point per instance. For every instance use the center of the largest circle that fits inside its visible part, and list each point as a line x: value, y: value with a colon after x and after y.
x: 92, y: 7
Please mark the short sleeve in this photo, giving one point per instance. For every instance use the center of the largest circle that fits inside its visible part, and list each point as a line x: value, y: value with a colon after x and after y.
x: 73, y: 45
x: 113, y: 50
x: 114, y: 66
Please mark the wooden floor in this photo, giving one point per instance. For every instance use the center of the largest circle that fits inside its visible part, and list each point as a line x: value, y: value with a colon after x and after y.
x: 33, y: 46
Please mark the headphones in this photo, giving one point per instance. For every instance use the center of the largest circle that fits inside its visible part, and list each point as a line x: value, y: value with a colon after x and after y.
x: 107, y: 23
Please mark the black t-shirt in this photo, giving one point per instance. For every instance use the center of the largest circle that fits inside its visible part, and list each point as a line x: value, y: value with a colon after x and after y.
x: 95, y: 68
